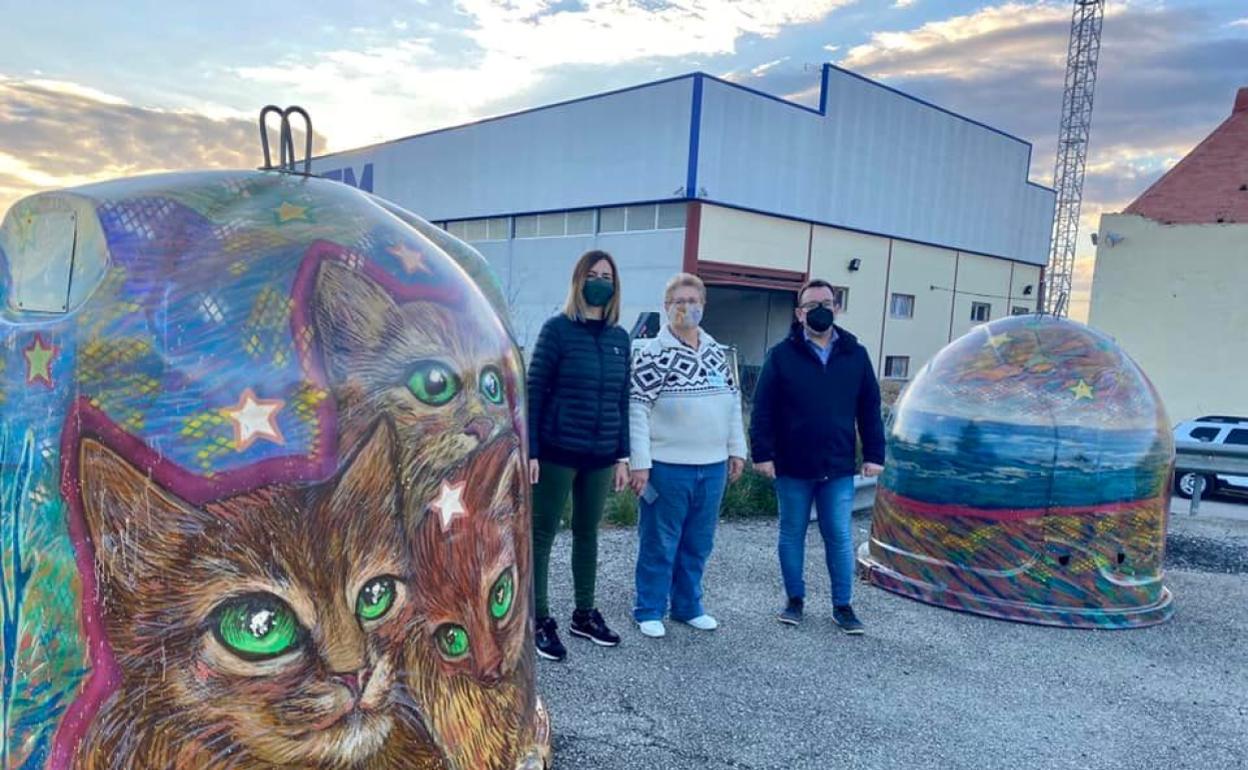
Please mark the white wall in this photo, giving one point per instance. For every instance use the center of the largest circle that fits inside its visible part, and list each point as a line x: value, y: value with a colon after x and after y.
x: 979, y: 279
x: 831, y: 251
x: 1174, y: 297
x: 624, y: 147
x: 743, y: 238
x: 878, y: 161
x: 535, y: 272
x: 915, y: 270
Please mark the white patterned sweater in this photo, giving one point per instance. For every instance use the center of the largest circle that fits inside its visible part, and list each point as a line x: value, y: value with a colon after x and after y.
x: 684, y: 407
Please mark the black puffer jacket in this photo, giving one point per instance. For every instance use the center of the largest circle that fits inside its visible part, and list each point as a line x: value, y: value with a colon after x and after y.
x: 805, y: 412
x: 578, y: 393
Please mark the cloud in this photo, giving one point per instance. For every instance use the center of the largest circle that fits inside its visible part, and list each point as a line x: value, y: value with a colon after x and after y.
x: 904, y: 3
x: 1166, y: 78
x: 762, y: 69
x: 390, y: 86
x: 1239, y: 22
x: 60, y: 134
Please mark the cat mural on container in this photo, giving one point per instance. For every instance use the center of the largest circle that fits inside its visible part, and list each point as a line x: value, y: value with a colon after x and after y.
x: 439, y: 373
x: 448, y: 381
x: 262, y: 630
x: 471, y: 652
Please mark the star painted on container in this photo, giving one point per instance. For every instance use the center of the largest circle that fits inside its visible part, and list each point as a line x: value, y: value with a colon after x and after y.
x: 413, y: 260
x: 997, y: 340
x: 254, y: 419
x: 1082, y: 390
x: 39, y: 358
x: 449, y: 504
x: 289, y: 211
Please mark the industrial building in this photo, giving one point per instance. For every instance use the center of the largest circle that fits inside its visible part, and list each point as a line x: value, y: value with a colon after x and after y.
x: 1171, y: 272
x: 925, y: 219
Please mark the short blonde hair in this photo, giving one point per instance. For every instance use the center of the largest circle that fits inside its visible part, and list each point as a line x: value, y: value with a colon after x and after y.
x: 683, y: 279
x: 575, y: 306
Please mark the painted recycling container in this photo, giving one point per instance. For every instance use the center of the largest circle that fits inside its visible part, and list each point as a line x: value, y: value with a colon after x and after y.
x: 1028, y: 478
x: 260, y: 468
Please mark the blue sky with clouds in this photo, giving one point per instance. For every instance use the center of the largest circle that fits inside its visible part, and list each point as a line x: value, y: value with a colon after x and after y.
x: 93, y: 90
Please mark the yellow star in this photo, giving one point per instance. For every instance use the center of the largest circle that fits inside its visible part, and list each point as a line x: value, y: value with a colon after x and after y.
x: 997, y: 340
x: 39, y: 361
x: 288, y: 211
x: 412, y: 259
x: 1082, y: 390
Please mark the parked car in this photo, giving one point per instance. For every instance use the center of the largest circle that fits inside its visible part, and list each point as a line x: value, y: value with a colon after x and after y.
x: 1212, y: 429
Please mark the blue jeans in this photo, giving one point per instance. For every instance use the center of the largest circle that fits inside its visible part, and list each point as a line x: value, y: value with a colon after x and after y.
x: 679, y: 511
x: 834, y: 502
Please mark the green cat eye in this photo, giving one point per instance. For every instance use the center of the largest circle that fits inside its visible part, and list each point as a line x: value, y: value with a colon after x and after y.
x: 433, y: 382
x: 376, y: 598
x: 503, y: 594
x: 257, y: 627
x: 492, y: 385
x: 452, y: 640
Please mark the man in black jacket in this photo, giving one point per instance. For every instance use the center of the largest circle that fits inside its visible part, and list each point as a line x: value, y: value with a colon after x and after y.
x: 815, y: 385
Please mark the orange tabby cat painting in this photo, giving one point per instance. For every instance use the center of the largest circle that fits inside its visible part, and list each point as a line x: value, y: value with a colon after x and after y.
x: 260, y: 475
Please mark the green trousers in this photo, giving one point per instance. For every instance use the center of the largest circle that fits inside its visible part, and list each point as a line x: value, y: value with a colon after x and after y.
x: 589, y: 495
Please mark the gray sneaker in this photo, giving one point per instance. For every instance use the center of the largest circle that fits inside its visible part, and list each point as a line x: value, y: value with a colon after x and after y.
x: 792, y: 614
x: 844, y: 617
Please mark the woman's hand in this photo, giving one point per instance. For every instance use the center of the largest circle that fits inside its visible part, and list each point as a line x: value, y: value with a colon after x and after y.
x: 638, y: 481
x: 621, y: 475
x: 535, y: 471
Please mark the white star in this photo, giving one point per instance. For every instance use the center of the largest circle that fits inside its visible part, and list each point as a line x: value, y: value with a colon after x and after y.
x: 449, y: 503
x: 255, y: 418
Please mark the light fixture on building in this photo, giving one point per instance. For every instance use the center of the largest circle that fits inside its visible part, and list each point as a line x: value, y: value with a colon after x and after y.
x: 1027, y: 290
x: 854, y: 264
x: 1093, y: 237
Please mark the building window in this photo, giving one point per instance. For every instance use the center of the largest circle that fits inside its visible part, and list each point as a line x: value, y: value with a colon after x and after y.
x: 494, y: 229
x: 526, y: 227
x: 1019, y: 310
x: 672, y: 216
x: 902, y: 306
x: 981, y: 312
x: 580, y: 222
x: 897, y: 367
x: 642, y: 217
x: 552, y: 225
x: 840, y: 298
x: 611, y: 220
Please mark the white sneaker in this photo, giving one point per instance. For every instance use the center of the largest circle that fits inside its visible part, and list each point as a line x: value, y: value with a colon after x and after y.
x: 703, y: 623
x: 653, y: 629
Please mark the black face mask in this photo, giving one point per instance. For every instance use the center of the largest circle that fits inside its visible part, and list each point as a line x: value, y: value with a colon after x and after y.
x: 819, y: 320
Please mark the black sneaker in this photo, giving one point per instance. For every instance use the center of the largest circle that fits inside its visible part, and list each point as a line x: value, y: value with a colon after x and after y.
x: 590, y: 625
x: 792, y: 614
x: 844, y: 617
x: 547, y: 639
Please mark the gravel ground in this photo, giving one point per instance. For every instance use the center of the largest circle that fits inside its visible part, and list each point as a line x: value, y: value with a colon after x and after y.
x: 924, y: 688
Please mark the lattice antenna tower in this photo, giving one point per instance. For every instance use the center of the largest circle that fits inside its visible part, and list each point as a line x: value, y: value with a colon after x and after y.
x: 1072, y: 150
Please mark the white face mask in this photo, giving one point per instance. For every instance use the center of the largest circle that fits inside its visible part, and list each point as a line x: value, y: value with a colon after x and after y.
x: 685, y: 316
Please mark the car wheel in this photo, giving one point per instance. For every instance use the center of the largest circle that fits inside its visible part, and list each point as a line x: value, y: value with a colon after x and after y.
x: 1185, y: 485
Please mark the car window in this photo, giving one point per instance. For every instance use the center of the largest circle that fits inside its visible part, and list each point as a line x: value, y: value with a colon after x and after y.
x: 1238, y: 436
x: 1205, y: 434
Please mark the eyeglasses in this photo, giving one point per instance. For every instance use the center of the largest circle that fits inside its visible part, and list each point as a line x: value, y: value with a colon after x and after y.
x: 828, y: 303
x: 682, y: 302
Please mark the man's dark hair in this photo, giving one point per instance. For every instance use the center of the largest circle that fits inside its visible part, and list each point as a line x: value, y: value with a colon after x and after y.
x: 814, y: 283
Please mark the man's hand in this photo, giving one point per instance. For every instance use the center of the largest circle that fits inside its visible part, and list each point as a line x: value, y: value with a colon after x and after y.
x: 621, y: 476
x: 638, y: 480
x: 735, y: 466
x: 535, y: 471
x: 871, y: 469
x: 768, y: 469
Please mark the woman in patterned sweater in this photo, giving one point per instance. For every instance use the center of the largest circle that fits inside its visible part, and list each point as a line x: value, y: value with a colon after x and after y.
x: 687, y: 442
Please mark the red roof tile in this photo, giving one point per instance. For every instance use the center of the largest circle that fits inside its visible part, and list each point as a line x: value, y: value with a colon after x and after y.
x: 1210, y: 184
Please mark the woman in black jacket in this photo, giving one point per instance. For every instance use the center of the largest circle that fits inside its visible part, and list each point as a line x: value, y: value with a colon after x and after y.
x: 578, y: 438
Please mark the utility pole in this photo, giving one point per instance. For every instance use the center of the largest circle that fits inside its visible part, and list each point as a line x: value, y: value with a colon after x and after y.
x: 1072, y: 151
